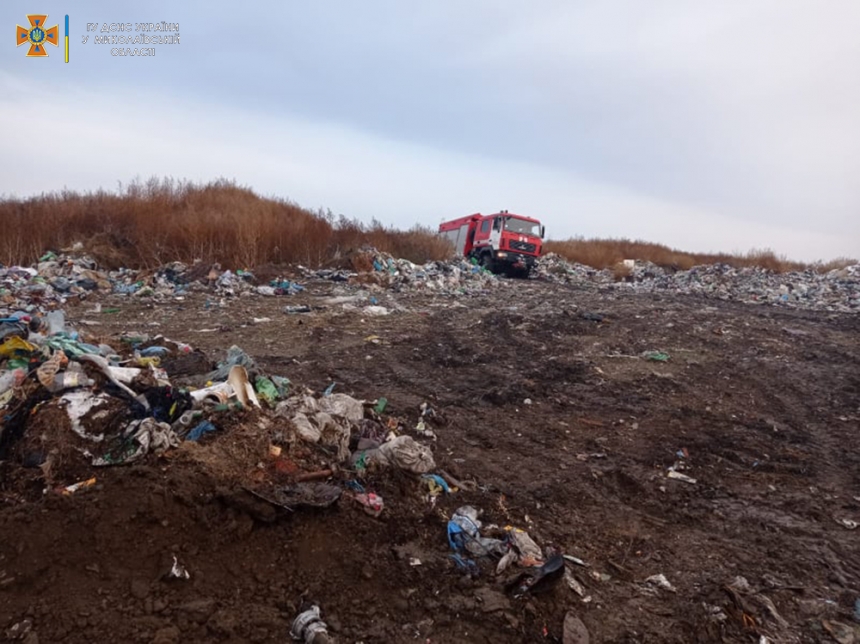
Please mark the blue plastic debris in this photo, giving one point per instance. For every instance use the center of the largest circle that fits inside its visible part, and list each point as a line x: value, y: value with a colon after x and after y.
x: 466, y: 564
x: 196, y: 433
x: 286, y: 287
x: 154, y: 352
x: 127, y: 289
x: 439, y: 481
x: 355, y: 485
x: 329, y: 389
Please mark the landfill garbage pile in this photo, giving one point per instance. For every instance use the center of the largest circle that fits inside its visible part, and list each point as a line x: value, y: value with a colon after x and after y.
x: 57, y: 278
x: 452, y: 277
x: 554, y: 268
x: 836, y: 290
x: 70, y: 404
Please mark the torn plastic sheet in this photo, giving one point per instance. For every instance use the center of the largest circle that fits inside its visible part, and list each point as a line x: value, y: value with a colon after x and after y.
x: 105, y: 367
x: 235, y: 357
x: 124, y: 374
x: 342, y: 405
x: 403, y: 452
x: 289, y: 497
x: 528, y: 552
x: 78, y: 404
x: 464, y: 533
x: 327, y: 420
x: 138, y: 439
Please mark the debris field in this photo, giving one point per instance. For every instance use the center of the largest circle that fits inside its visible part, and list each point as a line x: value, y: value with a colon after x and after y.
x: 482, y: 460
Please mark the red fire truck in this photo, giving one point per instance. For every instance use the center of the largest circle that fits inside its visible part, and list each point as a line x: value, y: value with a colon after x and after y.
x: 502, y: 242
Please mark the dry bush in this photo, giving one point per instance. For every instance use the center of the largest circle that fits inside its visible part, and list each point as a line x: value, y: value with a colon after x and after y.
x: 608, y: 253
x: 834, y: 264
x: 149, y: 223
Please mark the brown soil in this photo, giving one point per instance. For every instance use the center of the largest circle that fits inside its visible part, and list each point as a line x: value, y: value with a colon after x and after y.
x: 763, y: 400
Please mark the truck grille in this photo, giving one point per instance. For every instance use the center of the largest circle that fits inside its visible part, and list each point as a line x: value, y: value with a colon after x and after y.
x: 523, y: 247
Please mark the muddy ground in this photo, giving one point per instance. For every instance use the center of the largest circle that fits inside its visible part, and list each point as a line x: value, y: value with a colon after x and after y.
x: 762, y: 403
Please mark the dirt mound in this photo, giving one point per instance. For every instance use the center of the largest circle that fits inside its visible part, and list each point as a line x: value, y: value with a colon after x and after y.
x: 709, y: 496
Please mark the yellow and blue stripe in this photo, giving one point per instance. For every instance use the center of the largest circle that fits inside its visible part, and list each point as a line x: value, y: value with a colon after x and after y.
x: 67, y: 38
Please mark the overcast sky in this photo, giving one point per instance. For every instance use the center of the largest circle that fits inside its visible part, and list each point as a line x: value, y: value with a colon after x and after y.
x: 719, y: 126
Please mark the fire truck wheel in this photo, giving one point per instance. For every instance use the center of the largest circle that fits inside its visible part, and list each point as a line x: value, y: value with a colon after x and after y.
x: 487, y: 261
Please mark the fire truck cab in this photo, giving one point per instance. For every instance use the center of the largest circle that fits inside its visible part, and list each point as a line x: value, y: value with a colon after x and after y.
x: 502, y: 242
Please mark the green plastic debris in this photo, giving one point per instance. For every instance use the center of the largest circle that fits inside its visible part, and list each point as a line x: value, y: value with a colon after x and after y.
x: 48, y: 256
x: 380, y: 405
x: 18, y: 363
x: 266, y: 390
x: 656, y: 356
x: 231, y: 406
x: 71, y: 348
x: 113, y: 310
x: 361, y: 462
x: 135, y: 339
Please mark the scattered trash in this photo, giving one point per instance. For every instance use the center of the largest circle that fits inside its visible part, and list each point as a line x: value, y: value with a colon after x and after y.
x: 266, y: 390
x: 661, y: 582
x: 405, y: 453
x: 154, y: 351
x: 379, y: 408
x: 740, y: 588
x: 672, y: 474
x: 847, y: 523
x: 592, y: 317
x: 528, y: 553
x: 197, y: 433
x: 309, y: 627
x: 835, y: 290
x: 71, y: 489
x: 464, y: 534
x: 178, y: 571
x: 538, y: 579
x: 466, y: 565
x: 238, y: 379
x: 656, y: 356
x: 302, y: 494
x: 375, y: 311
x: 574, y: 584
x: 236, y: 357
x: 139, y: 438
x: 436, y: 484
x: 576, y: 560
x: 371, y: 502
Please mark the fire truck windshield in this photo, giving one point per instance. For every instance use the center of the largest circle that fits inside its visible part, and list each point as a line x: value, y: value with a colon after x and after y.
x: 522, y: 227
